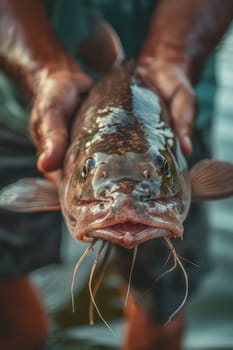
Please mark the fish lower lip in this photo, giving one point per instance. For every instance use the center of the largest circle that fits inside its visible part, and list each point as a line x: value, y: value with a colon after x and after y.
x: 129, y: 238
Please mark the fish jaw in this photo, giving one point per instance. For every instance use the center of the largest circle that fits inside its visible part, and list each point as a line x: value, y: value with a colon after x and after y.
x: 127, y: 239
x: 127, y: 224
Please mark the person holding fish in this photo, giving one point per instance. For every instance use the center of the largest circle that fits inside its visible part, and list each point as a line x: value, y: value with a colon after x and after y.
x: 171, y: 41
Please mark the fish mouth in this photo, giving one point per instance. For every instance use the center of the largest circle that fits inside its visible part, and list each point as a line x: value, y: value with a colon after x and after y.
x: 130, y: 234
x: 128, y: 223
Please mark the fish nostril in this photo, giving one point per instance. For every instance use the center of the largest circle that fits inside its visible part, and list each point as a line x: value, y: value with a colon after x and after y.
x: 101, y: 173
x: 102, y: 205
x: 144, y: 193
x: 145, y: 196
x: 107, y: 191
x: 146, y: 174
x: 104, y: 174
x: 146, y: 189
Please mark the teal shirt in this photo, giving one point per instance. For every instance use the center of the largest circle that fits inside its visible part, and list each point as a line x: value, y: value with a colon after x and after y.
x: 70, y: 20
x: 131, y: 20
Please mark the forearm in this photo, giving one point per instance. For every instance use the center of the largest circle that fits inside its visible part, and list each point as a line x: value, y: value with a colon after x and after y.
x: 32, y: 55
x: 28, y: 46
x: 186, y: 31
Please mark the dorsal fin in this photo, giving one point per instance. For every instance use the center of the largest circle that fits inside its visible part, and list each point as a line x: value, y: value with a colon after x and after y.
x: 102, y: 50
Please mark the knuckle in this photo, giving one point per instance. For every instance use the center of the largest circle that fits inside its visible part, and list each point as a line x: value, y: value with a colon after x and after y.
x: 61, y: 99
x: 48, y: 105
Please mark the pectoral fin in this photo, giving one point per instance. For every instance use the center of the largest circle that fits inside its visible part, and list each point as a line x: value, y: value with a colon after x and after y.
x: 211, y: 179
x: 30, y: 195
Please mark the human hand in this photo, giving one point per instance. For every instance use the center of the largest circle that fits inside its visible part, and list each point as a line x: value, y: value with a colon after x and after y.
x: 169, y: 78
x: 180, y: 38
x: 57, y: 98
x: 32, y: 55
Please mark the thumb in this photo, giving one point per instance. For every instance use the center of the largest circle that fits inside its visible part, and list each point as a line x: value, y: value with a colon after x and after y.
x: 183, y: 109
x: 172, y: 83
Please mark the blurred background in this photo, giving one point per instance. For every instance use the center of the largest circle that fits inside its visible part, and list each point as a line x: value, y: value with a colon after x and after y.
x: 210, y: 315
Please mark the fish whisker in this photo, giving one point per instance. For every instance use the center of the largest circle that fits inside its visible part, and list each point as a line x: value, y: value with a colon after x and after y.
x: 163, y: 274
x: 131, y: 273
x: 99, y: 280
x: 169, y: 270
x: 188, y: 261
x: 90, y: 286
x: 181, y: 257
x: 168, y: 258
x: 83, y: 256
x: 177, y: 260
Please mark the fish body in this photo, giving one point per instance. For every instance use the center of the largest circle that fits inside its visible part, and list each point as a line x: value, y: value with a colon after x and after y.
x: 124, y: 177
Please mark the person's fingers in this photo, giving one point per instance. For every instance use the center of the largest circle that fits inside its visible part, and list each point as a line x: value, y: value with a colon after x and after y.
x: 49, y: 120
x: 53, y: 176
x: 183, y: 108
x: 84, y: 82
x: 58, y: 100
x: 171, y: 82
x: 53, y: 141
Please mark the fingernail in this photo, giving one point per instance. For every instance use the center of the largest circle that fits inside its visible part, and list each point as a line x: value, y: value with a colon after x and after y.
x: 44, y: 155
x: 188, y: 144
x: 40, y: 162
x: 44, y: 162
x: 48, y: 143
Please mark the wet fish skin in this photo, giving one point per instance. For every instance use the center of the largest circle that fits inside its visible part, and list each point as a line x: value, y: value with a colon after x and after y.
x: 124, y: 166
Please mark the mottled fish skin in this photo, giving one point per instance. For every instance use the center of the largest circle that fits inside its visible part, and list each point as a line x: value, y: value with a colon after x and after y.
x: 124, y: 177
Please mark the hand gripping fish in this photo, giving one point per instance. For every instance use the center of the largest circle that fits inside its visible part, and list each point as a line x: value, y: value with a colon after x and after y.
x: 124, y: 178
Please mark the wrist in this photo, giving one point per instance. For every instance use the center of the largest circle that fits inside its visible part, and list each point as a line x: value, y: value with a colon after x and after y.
x: 29, y: 49
x: 185, y: 33
x: 165, y: 53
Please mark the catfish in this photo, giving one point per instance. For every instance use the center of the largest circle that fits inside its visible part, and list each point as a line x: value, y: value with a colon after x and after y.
x: 124, y: 179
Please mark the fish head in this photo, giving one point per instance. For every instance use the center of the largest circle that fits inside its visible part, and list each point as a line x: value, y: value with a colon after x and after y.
x: 126, y: 198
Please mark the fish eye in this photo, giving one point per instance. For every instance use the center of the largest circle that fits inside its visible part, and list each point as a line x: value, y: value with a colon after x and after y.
x: 84, y: 171
x: 87, y: 167
x: 162, y: 164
